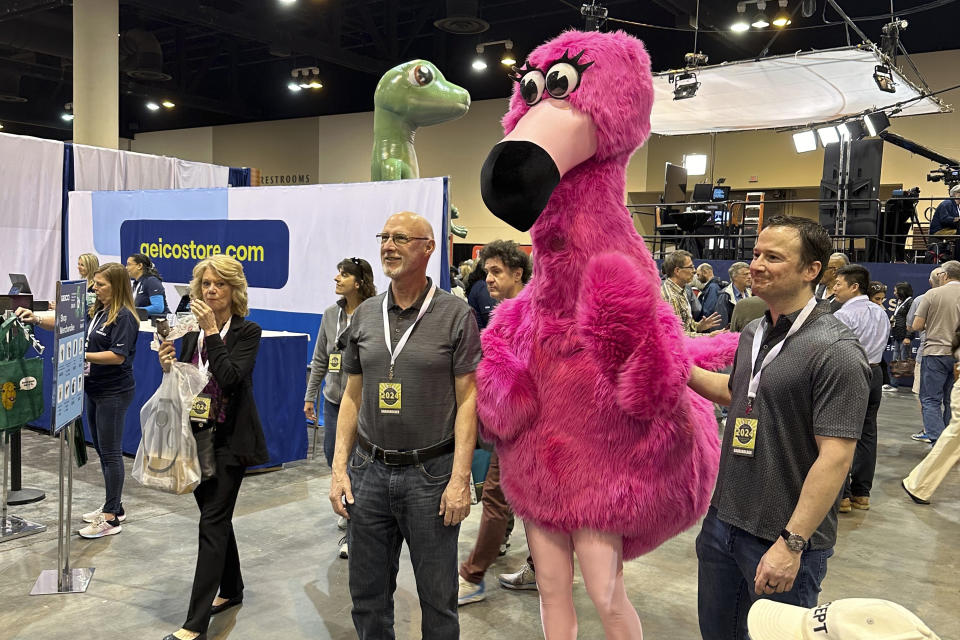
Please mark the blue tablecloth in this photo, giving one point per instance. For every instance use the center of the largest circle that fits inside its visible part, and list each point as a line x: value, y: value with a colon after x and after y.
x: 279, y: 384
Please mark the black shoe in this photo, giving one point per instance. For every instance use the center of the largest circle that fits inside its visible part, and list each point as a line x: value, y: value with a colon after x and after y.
x: 913, y: 497
x: 220, y: 608
x: 170, y: 636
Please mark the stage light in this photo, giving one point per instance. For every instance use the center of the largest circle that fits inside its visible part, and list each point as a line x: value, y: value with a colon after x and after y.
x: 478, y: 64
x: 782, y: 19
x: 167, y: 104
x: 852, y: 130
x: 508, y: 59
x: 153, y: 106
x: 740, y: 26
x: 876, y: 123
x: 760, y: 21
x: 828, y: 135
x: 695, y: 164
x: 884, y: 78
x: 804, y: 141
x: 685, y: 85
x: 305, y: 78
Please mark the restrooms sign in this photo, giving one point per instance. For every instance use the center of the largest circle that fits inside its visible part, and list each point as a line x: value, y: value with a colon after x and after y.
x: 175, y: 246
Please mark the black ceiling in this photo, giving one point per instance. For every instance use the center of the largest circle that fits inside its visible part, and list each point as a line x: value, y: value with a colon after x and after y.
x: 229, y: 61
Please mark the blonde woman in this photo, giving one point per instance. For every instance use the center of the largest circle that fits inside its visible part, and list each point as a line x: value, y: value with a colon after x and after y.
x: 227, y: 346
x: 108, y: 384
x: 87, y: 265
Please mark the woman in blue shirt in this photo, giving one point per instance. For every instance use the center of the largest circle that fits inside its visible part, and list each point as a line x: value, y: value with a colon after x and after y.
x: 148, y: 291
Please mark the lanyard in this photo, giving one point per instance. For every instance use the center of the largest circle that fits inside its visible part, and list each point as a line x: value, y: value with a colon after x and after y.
x: 403, y: 340
x: 203, y: 366
x: 774, y: 352
x: 93, y: 325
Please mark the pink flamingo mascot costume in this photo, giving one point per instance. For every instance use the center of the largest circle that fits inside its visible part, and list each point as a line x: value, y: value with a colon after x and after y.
x: 603, y: 449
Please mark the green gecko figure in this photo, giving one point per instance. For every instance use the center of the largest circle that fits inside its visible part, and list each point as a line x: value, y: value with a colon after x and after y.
x: 411, y: 95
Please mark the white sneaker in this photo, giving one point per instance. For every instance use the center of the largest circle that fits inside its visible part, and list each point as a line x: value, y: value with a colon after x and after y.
x: 888, y: 387
x: 525, y: 579
x: 341, y: 523
x: 344, y: 552
x: 93, y: 515
x: 100, y: 528
x: 470, y: 592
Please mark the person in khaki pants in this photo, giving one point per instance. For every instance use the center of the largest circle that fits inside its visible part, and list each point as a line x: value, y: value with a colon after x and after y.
x: 927, y: 476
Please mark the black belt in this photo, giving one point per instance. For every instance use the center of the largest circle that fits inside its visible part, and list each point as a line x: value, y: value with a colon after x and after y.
x: 875, y: 365
x: 398, y: 458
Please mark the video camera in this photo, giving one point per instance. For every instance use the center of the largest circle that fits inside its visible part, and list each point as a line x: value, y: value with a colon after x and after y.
x: 950, y: 175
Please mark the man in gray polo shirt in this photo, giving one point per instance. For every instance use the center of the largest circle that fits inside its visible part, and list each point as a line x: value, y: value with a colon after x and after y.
x: 797, y: 397
x: 407, y: 426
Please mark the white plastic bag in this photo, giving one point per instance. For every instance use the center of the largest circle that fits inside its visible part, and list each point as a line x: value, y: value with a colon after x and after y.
x: 167, y: 456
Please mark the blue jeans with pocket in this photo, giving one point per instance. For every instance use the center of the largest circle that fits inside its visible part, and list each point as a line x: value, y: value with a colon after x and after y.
x: 936, y: 383
x: 393, y: 505
x: 105, y: 417
x: 727, y: 558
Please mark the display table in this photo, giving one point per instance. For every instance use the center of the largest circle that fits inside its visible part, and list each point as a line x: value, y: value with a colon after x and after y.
x: 279, y: 384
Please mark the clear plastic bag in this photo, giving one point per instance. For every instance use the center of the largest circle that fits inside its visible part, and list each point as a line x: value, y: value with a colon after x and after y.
x: 167, y: 456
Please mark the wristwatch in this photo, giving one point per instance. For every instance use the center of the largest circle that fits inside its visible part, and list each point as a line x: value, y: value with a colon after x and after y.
x: 795, y: 541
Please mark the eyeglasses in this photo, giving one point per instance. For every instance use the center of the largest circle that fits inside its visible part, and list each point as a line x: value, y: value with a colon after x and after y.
x: 687, y: 267
x: 399, y: 239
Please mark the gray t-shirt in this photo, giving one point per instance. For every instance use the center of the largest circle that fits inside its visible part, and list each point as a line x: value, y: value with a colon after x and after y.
x: 817, y: 386
x: 443, y: 345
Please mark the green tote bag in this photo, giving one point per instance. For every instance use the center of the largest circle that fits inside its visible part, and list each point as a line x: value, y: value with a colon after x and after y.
x: 21, y: 379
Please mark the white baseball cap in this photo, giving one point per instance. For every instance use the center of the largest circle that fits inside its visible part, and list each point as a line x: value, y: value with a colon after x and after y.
x: 847, y: 619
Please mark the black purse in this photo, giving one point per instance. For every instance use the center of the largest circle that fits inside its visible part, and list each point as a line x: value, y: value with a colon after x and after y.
x: 203, y: 434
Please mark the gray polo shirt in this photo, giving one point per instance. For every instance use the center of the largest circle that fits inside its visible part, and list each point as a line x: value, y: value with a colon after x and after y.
x: 817, y: 386
x: 443, y: 345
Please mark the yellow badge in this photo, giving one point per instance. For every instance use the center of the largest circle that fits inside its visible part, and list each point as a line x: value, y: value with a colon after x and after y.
x: 200, y: 411
x: 333, y: 362
x: 744, y: 436
x: 389, y: 397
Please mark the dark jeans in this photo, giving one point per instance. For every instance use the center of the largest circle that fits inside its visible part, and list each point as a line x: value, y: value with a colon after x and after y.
x: 330, y: 411
x: 218, y: 561
x: 860, y: 480
x: 392, y: 505
x: 728, y: 559
x: 936, y: 381
x: 493, y: 526
x: 105, y: 417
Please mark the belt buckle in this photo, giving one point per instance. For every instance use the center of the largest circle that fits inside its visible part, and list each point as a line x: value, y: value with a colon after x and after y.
x: 392, y: 457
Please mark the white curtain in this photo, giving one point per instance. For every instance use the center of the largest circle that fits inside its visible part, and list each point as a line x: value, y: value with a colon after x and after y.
x: 142, y: 172
x: 31, y: 197
x: 97, y: 169
x: 200, y: 175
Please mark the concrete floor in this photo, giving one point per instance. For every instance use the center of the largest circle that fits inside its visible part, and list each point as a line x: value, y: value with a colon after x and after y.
x: 297, y: 588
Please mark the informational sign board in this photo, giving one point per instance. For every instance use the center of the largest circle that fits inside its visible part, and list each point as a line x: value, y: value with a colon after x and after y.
x: 69, y: 338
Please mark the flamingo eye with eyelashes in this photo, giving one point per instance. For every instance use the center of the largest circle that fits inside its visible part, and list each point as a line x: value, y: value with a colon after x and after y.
x: 562, y: 79
x: 531, y: 86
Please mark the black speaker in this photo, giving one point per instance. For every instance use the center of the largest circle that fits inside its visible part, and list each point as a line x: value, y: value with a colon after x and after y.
x: 863, y: 209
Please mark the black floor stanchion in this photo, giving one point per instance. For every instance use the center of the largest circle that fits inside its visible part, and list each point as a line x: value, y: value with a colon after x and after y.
x: 17, y: 494
x: 12, y: 527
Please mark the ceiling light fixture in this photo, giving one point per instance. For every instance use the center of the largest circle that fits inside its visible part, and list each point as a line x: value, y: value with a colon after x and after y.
x: 479, y: 64
x: 153, y: 106
x: 305, y: 78
x: 805, y: 141
x: 760, y: 21
x: 294, y: 87
x: 167, y: 104
x: 508, y: 59
x: 782, y: 18
x: 685, y: 85
x: 876, y: 123
x: 288, y: 2
x: 1, y: 125
x: 741, y: 23
x: 884, y: 78
x: 67, y: 115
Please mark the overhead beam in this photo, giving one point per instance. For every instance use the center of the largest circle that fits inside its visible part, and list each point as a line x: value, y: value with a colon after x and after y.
x: 191, y: 12
x: 11, y: 9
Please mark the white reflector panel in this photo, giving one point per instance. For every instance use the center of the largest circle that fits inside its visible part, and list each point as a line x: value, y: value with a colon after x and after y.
x: 787, y: 91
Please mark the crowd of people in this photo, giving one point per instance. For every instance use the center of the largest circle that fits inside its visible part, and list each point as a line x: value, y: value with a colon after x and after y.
x: 396, y: 373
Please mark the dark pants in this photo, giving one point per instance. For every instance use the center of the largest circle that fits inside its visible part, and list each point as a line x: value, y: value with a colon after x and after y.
x: 936, y: 382
x: 392, y: 505
x: 218, y: 562
x: 860, y: 480
x: 105, y: 417
x: 728, y: 559
x: 493, y: 526
x: 330, y: 411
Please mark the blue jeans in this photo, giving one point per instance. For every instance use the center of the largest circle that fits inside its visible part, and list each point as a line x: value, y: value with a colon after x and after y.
x: 330, y: 411
x: 936, y: 381
x: 728, y: 559
x: 392, y: 505
x: 105, y: 417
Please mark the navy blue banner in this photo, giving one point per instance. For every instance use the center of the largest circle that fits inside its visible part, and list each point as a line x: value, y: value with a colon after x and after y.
x: 175, y: 246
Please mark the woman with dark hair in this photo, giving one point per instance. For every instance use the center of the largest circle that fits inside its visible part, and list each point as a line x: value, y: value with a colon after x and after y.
x: 226, y: 345
x: 148, y: 290
x: 354, y: 284
x: 108, y: 385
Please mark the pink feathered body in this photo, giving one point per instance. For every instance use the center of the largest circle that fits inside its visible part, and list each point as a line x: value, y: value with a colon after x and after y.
x: 582, y: 387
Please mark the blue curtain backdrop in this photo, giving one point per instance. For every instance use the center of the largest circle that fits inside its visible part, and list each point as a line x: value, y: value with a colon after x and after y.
x: 239, y: 177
